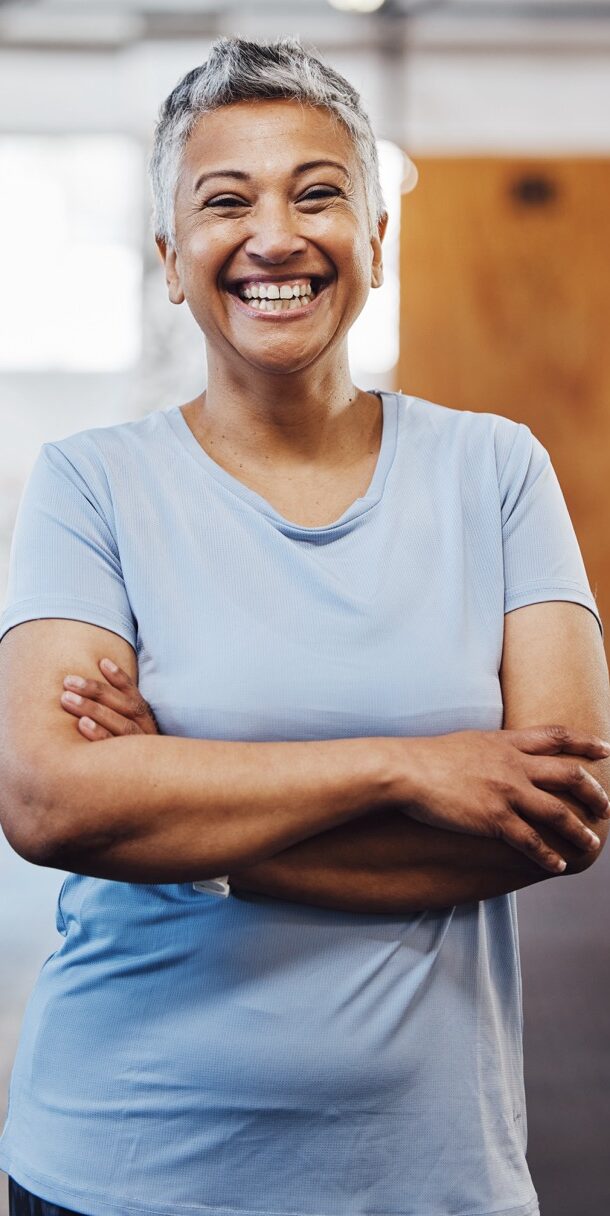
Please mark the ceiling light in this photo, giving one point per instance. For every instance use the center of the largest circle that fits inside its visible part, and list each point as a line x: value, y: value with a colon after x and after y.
x: 357, y: 6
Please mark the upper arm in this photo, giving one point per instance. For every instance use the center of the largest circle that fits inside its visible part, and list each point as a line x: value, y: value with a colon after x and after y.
x: 554, y: 670
x: 34, y: 728
x: 67, y: 606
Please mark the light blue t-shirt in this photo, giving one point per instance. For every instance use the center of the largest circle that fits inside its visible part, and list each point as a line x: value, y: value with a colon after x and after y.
x: 183, y: 1054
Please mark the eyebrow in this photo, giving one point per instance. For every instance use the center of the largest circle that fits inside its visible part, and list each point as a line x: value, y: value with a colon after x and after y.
x: 239, y: 175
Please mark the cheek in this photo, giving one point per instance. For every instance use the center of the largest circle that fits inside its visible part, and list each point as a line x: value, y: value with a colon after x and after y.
x: 203, y: 260
x: 360, y: 273
x: 356, y: 255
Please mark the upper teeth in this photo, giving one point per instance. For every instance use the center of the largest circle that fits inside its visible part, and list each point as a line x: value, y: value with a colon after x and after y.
x: 275, y: 291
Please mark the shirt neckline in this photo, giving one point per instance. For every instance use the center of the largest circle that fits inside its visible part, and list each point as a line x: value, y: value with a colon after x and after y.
x: 387, y: 451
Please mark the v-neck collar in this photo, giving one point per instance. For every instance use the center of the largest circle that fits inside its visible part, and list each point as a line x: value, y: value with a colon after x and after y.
x: 387, y: 451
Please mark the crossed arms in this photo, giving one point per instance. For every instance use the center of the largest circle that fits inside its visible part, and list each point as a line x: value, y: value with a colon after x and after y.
x: 553, y: 671
x: 166, y: 811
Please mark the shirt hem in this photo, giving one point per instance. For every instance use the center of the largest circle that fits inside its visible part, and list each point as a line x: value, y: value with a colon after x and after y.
x: 69, y: 608
x: 539, y: 593
x: 96, y: 1204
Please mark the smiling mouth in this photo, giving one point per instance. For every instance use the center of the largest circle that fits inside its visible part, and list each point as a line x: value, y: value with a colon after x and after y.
x: 276, y: 297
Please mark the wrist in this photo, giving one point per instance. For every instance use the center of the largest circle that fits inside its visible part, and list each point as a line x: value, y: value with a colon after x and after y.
x: 397, y: 776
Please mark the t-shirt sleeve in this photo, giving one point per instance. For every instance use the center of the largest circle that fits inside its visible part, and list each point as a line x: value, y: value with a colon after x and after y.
x: 542, y: 558
x: 64, y: 559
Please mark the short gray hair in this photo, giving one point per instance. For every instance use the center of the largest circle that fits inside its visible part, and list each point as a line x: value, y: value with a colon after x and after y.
x: 238, y: 70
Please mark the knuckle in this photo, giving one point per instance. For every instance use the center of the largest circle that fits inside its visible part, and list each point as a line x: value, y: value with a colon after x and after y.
x: 131, y: 728
x: 557, y: 813
x: 504, y: 787
x: 141, y: 707
x: 558, y: 731
x: 577, y: 774
x: 503, y: 829
x: 533, y: 840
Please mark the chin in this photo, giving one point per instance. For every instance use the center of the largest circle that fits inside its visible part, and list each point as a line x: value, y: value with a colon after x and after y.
x: 280, y: 365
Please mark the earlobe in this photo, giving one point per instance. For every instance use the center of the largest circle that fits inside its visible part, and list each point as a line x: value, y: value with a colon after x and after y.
x: 376, y: 245
x: 168, y: 256
x: 376, y: 263
x: 377, y: 274
x: 175, y: 291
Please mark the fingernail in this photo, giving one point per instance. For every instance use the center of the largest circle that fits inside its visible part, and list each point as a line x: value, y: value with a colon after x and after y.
x: 561, y: 865
x: 75, y: 681
x: 72, y: 697
x: 109, y: 665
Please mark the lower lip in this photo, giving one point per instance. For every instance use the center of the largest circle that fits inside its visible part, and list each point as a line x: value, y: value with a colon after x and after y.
x: 289, y: 314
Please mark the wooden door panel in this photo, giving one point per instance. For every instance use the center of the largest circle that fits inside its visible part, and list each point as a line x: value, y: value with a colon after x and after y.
x: 505, y: 306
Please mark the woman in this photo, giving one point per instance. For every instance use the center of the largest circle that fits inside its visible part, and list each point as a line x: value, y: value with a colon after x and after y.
x: 331, y: 601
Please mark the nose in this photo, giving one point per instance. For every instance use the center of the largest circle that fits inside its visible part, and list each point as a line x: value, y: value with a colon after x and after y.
x: 275, y: 237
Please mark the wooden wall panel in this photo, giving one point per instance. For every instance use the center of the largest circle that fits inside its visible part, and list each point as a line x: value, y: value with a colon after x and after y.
x: 505, y: 306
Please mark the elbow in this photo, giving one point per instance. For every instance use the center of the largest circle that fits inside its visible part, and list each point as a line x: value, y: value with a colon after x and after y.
x: 22, y: 825
x: 28, y: 816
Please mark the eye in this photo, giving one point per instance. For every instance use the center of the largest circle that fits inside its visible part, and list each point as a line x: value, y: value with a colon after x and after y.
x: 320, y: 192
x: 226, y: 200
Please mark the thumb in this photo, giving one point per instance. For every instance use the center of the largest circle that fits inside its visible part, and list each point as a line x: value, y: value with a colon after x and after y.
x: 550, y: 740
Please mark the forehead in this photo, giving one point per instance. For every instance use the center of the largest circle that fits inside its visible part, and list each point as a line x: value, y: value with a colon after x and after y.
x: 255, y: 136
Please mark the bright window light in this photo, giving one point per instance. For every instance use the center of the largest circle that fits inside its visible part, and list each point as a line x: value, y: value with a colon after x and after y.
x: 70, y: 215
x: 373, y: 339
x: 357, y: 6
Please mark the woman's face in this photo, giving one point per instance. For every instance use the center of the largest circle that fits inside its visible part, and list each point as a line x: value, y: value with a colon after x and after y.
x: 271, y: 198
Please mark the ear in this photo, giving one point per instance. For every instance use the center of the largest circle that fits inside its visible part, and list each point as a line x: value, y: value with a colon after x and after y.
x: 376, y: 243
x: 169, y: 257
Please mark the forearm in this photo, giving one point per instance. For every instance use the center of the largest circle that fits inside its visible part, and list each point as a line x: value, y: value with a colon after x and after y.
x: 388, y: 863
x: 163, y: 809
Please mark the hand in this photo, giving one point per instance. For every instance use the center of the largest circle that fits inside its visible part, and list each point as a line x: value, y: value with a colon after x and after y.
x: 492, y: 783
x: 111, y: 707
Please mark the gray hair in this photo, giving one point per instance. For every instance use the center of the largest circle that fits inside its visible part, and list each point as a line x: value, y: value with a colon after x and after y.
x: 238, y: 70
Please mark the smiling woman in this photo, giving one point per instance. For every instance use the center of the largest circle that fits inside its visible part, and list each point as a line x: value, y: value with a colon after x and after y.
x: 294, y: 220
x: 304, y: 586
x: 275, y: 260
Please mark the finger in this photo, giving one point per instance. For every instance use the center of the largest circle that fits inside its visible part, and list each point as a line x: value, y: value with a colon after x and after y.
x: 128, y: 701
x: 100, y: 691
x: 523, y: 837
x: 553, y: 813
x: 115, y: 675
x: 579, y: 781
x: 140, y: 709
x: 551, y: 740
x: 91, y: 730
x: 113, y: 722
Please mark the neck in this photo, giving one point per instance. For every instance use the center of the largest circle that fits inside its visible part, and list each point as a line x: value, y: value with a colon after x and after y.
x: 315, y: 416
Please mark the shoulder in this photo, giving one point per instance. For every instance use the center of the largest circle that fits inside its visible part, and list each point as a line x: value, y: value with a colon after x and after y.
x: 99, y: 456
x: 470, y: 435
x: 103, y: 441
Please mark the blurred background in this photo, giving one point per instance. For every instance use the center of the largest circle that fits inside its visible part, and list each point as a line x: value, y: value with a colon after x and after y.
x: 494, y: 128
